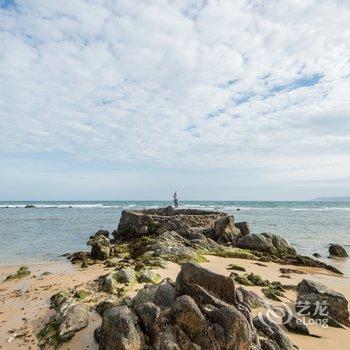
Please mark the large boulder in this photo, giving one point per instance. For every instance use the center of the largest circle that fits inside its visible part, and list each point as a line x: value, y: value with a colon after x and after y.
x: 126, y: 275
x: 338, y: 251
x: 244, y: 227
x: 69, y: 318
x: 225, y: 231
x: 120, y: 330
x: 320, y: 302
x: 282, y: 246
x: 187, y: 325
x: 220, y: 286
x: 267, y: 243
x: 259, y: 243
x: 100, y: 247
x: 170, y: 243
x: 73, y: 319
x: 162, y: 295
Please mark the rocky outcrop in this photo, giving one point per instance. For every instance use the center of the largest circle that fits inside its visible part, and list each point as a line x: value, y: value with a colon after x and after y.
x: 338, y: 251
x: 69, y: 318
x: 321, y: 302
x: 138, y: 223
x: 199, y: 311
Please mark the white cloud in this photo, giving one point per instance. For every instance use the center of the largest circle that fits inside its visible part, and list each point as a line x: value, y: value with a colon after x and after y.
x: 202, y: 84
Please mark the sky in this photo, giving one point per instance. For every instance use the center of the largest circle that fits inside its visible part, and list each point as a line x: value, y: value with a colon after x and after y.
x: 222, y: 100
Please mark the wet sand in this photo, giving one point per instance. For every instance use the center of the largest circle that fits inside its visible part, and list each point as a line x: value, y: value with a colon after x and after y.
x: 25, y: 302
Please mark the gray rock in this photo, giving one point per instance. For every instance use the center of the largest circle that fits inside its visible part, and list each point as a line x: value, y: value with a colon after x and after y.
x: 120, y: 330
x: 73, y: 319
x: 102, y: 233
x: 172, y: 244
x: 220, y: 286
x: 192, y: 326
x: 244, y: 227
x: 69, y: 318
x: 168, y: 211
x: 126, y: 275
x: 186, y: 314
x: 314, y: 294
x: 148, y: 276
x: 106, y: 304
x: 144, y: 295
x: 267, y: 243
x: 109, y: 283
x: 282, y: 246
x: 148, y: 314
x: 249, y: 297
x: 132, y: 222
x: 256, y: 242
x: 225, y: 231
x: 316, y: 255
x: 338, y: 251
x: 165, y: 294
x: 100, y: 249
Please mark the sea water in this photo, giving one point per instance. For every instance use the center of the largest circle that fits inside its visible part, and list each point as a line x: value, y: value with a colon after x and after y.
x: 54, y: 228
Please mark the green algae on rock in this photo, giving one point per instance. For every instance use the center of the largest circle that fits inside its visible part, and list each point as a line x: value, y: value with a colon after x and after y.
x: 22, y: 272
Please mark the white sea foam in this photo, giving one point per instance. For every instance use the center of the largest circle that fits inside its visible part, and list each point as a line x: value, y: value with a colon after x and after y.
x: 60, y: 206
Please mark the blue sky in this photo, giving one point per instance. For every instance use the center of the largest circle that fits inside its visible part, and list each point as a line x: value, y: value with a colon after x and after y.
x: 132, y: 100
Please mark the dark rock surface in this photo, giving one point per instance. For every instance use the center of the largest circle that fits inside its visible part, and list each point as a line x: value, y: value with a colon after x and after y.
x: 314, y: 294
x: 69, y: 318
x: 277, y: 339
x: 102, y: 233
x: 294, y: 325
x: 249, y: 297
x: 120, y: 330
x: 100, y: 247
x: 220, y: 286
x: 338, y: 251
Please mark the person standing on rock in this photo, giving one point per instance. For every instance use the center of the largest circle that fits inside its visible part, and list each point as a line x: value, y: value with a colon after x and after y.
x: 176, y: 199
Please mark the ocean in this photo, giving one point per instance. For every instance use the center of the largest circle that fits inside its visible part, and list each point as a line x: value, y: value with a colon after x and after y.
x: 51, y: 229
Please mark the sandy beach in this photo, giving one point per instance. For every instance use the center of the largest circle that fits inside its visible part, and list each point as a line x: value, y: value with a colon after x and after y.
x: 25, y: 302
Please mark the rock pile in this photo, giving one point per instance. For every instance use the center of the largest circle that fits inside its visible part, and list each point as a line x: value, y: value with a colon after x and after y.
x: 187, y: 235
x: 201, y: 310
